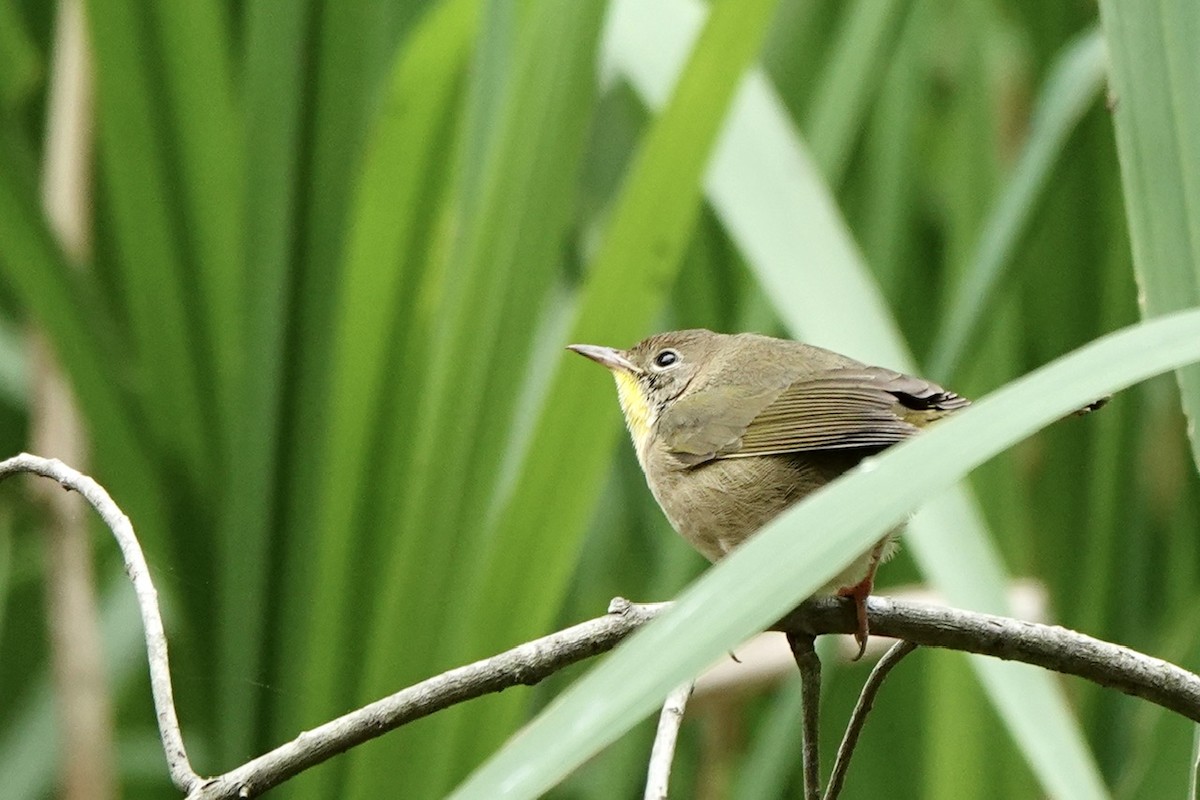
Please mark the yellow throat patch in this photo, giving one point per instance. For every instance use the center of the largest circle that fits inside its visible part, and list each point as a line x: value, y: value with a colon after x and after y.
x: 633, y: 406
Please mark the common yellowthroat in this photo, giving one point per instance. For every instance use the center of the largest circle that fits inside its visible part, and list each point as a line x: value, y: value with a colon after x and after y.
x: 732, y: 429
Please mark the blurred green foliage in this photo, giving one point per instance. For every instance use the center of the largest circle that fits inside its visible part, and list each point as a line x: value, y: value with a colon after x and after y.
x: 339, y: 247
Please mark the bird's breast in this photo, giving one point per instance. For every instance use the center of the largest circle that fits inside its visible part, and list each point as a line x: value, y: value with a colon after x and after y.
x: 717, y: 505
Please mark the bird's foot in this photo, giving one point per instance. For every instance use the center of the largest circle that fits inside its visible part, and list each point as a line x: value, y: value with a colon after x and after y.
x: 859, y: 593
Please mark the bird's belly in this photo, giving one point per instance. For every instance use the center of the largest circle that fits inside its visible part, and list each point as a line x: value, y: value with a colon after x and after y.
x: 718, y: 505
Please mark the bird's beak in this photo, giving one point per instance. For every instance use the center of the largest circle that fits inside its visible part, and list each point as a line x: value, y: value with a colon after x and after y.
x: 606, y: 356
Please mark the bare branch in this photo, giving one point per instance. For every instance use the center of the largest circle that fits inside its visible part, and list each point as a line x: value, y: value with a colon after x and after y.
x: 182, y: 774
x: 1047, y: 646
x: 658, y: 776
x: 858, y: 718
x: 934, y: 626
x: 805, y: 652
x: 527, y: 664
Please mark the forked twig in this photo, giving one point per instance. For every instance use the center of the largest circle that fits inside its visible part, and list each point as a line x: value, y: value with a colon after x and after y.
x: 858, y: 718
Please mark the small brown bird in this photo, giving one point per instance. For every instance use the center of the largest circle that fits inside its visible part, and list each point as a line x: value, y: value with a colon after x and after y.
x: 732, y: 429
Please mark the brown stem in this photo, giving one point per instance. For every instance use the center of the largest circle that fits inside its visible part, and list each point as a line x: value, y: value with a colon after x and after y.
x: 805, y: 653
x: 859, y: 717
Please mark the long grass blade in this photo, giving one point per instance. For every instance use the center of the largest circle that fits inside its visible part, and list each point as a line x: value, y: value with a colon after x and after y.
x: 1072, y: 87
x: 204, y: 122
x: 853, y: 72
x: 34, y: 270
x: 271, y: 124
x: 380, y: 342
x: 1156, y: 110
x: 150, y: 255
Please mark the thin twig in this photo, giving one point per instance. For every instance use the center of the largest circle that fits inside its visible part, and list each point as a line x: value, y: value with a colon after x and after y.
x: 859, y: 717
x: 662, y: 754
x: 805, y: 653
x: 182, y: 774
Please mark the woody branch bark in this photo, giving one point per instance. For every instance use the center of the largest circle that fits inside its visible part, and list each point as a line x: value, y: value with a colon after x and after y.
x: 1046, y: 646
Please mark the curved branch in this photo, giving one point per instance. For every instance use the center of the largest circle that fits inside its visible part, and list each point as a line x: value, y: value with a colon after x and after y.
x: 182, y: 774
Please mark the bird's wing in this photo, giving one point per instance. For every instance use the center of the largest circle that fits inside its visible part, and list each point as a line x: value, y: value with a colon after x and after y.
x: 855, y: 407
x: 703, y: 425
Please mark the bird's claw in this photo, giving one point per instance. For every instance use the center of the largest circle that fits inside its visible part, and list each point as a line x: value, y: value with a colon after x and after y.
x: 858, y: 594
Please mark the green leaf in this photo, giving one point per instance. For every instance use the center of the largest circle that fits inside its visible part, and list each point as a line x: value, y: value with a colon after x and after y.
x: 150, y: 256
x: 1156, y: 102
x: 273, y: 92
x: 206, y: 128
x: 1071, y: 89
x: 854, y: 69
x: 379, y: 342
x: 795, y: 554
x: 68, y: 309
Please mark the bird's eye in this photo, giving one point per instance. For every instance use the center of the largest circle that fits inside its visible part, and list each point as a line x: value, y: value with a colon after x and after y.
x: 665, y: 359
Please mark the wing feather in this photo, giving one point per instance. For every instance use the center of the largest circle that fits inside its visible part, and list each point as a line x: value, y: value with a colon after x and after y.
x: 861, y: 407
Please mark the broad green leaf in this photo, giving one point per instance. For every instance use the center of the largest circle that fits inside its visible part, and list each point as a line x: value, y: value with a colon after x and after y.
x: 205, y: 125
x: 795, y: 554
x: 150, y: 255
x: 271, y: 123
x: 1156, y: 110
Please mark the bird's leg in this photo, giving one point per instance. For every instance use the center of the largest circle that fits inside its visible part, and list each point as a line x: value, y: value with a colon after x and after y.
x: 859, y: 593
